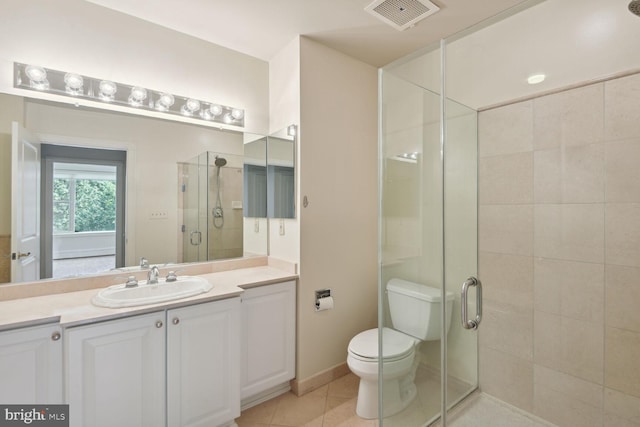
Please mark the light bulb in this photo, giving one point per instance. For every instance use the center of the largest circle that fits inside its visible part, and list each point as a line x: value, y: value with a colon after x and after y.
x: 165, y: 101
x: 205, y: 114
x: 35, y: 73
x: 138, y: 95
x: 190, y: 107
x: 237, y: 113
x: 108, y: 90
x: 37, y: 77
x: 215, y: 109
x: 73, y: 83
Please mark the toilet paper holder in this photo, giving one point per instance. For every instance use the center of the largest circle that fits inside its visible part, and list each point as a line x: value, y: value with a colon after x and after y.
x: 320, y: 294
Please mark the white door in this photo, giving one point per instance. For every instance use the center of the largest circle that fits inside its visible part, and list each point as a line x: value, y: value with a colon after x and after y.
x: 203, y: 368
x: 116, y: 372
x: 25, y: 205
x: 31, y: 365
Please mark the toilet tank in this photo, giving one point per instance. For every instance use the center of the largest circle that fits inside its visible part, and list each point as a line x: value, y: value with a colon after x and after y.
x: 415, y: 309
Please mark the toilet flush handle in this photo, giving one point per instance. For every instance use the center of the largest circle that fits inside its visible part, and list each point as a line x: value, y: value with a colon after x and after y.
x: 466, y: 322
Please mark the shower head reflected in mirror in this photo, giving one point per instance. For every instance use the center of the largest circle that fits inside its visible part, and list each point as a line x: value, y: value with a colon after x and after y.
x: 220, y: 161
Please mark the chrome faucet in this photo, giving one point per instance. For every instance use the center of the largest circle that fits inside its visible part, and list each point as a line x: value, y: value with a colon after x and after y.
x: 144, y: 263
x: 152, y: 276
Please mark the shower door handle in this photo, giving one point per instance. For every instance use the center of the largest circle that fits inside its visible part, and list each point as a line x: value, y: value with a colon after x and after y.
x: 195, y: 234
x: 466, y: 322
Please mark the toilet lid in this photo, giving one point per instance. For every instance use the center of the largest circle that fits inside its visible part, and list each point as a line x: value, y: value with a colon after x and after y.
x: 395, y: 345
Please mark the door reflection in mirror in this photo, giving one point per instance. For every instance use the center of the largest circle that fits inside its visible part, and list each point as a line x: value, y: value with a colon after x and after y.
x: 83, y: 219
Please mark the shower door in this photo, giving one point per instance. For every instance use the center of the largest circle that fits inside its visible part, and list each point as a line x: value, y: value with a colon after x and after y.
x: 194, y: 188
x: 428, y: 228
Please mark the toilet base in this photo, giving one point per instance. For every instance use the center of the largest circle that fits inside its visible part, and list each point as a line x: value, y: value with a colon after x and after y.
x: 398, y: 394
x: 395, y: 399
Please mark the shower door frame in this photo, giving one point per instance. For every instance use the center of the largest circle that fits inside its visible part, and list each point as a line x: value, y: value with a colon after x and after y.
x: 445, y: 405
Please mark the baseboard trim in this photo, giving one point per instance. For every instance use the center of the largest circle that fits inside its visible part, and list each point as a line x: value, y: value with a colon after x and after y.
x: 300, y: 388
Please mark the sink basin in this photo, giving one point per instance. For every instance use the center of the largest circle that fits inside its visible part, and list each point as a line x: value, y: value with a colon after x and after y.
x: 120, y: 296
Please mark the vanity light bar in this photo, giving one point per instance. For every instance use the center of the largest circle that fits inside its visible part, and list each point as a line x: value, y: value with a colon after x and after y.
x: 40, y: 79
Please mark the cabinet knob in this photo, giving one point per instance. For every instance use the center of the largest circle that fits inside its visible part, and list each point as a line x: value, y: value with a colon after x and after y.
x: 159, y: 324
x: 175, y: 321
x: 55, y: 336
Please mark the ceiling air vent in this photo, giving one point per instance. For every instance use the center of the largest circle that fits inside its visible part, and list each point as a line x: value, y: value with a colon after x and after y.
x: 401, y: 14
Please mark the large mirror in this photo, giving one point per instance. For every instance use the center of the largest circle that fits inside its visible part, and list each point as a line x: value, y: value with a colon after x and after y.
x: 281, y: 174
x: 269, y: 182
x: 182, y: 191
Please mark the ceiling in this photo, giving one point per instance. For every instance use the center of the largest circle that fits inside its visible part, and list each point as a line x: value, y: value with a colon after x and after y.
x: 261, y: 28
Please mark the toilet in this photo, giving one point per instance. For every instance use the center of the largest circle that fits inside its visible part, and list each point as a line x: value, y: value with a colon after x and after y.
x: 415, y: 315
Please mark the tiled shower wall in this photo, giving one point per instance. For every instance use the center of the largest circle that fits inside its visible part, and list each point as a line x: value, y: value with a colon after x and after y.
x: 559, y: 240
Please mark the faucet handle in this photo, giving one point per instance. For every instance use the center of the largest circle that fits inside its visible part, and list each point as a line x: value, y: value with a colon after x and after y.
x: 172, y: 276
x: 144, y: 263
x: 132, y: 282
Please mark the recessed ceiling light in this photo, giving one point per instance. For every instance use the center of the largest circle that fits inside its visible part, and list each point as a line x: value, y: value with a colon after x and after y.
x: 536, y: 78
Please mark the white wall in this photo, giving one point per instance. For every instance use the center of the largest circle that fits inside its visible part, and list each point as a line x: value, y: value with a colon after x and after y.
x: 338, y: 229
x: 78, y: 36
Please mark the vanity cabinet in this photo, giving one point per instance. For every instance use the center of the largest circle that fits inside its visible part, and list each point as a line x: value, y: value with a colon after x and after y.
x: 115, y: 372
x: 30, y: 365
x: 203, y: 372
x: 121, y: 372
x: 268, y: 338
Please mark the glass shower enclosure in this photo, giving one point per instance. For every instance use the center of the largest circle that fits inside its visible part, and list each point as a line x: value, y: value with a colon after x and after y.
x: 210, y: 200
x: 428, y: 229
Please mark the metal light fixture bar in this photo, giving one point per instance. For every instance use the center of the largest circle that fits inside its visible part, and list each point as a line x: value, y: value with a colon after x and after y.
x: 40, y: 79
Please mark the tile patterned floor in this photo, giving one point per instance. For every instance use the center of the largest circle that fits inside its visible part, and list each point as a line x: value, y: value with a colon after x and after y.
x: 335, y: 405
x: 331, y: 405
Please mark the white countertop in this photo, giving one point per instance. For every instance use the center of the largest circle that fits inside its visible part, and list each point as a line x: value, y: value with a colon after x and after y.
x: 75, y: 308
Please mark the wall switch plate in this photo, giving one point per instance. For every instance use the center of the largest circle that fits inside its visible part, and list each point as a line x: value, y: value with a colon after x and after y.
x: 158, y: 215
x: 282, y: 227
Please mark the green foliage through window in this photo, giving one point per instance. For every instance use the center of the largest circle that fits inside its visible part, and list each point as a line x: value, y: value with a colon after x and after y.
x: 92, y: 209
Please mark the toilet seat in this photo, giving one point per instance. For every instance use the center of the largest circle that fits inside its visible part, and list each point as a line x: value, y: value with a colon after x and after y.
x: 396, y: 345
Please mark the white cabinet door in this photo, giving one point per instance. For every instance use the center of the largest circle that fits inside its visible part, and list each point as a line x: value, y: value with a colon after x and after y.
x: 203, y: 345
x: 116, y: 372
x: 268, y: 337
x: 31, y: 365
